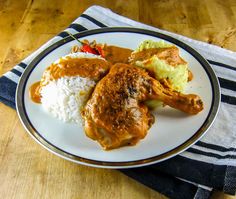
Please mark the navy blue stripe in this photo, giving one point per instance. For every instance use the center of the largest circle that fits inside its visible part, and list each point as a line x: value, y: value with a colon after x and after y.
x: 22, y: 65
x: 228, y: 99
x: 77, y: 27
x: 18, y: 73
x: 202, y: 193
x: 221, y: 65
x: 230, y: 180
x: 162, y: 182
x: 210, y: 154
x: 93, y: 20
x: 63, y: 34
x: 215, y: 147
x: 195, y: 171
x: 228, y: 84
x: 7, y: 91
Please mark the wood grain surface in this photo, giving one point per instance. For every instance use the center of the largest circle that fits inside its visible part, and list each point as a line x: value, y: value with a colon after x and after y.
x: 29, y: 171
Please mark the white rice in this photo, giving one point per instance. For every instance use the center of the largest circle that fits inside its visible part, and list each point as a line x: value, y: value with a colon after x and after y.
x: 64, y: 97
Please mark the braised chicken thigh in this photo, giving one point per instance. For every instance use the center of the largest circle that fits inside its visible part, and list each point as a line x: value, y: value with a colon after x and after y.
x: 115, y: 115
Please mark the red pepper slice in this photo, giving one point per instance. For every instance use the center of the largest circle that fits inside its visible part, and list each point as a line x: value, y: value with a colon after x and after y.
x: 87, y: 49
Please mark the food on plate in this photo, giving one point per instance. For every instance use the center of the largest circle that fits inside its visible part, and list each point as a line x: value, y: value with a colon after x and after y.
x: 87, y: 47
x: 66, y: 84
x: 113, y: 54
x: 76, y: 64
x: 115, y: 114
x: 163, y: 61
x: 64, y: 98
x: 113, y: 88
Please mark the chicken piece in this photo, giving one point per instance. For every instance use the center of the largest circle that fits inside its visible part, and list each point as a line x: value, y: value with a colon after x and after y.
x: 115, y: 115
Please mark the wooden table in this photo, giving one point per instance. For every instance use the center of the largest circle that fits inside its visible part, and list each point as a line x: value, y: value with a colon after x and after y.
x: 29, y: 171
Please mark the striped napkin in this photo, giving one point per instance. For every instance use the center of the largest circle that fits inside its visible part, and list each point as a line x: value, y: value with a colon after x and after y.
x: 209, y: 164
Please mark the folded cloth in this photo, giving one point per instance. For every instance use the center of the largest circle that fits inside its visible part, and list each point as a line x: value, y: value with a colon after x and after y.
x: 209, y: 164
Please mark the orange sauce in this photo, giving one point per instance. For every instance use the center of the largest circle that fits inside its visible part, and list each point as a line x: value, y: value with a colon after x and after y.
x: 92, y: 68
x: 115, y: 54
x: 170, y: 55
x: 34, y: 92
x: 190, y: 76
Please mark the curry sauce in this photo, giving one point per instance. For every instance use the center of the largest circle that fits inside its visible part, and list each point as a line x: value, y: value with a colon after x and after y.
x: 34, y: 92
x: 169, y: 54
x: 115, y: 54
x: 92, y: 68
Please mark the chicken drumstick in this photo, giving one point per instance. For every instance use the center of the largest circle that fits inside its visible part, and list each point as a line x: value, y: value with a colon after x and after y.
x: 115, y: 115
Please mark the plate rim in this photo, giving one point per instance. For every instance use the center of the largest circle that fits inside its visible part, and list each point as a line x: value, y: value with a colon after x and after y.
x: 215, y: 103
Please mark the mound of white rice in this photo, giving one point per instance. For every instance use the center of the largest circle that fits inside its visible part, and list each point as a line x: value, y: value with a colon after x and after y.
x: 64, y: 97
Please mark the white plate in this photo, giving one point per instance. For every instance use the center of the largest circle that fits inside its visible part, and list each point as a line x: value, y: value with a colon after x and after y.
x: 172, y: 133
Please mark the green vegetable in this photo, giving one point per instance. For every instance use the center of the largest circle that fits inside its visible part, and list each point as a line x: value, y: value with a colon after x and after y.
x: 152, y: 44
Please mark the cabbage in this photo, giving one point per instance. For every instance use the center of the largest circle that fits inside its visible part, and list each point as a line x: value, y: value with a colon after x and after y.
x: 152, y: 44
x: 176, y: 75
